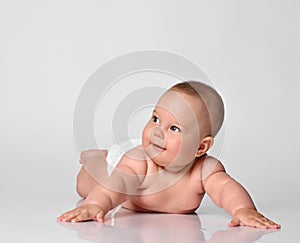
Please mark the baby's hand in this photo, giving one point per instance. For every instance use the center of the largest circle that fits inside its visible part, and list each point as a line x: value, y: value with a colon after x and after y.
x: 83, y: 213
x: 250, y: 217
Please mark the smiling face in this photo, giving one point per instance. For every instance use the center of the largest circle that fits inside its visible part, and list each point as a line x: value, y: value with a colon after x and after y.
x: 172, y: 135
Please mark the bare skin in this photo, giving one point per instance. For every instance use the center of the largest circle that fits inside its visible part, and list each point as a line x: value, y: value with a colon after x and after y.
x: 169, y: 201
x: 170, y: 149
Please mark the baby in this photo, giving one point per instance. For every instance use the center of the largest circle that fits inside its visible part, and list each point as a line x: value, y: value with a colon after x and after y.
x: 170, y: 171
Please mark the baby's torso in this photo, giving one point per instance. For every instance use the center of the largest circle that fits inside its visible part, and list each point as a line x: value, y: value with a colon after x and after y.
x: 168, y: 192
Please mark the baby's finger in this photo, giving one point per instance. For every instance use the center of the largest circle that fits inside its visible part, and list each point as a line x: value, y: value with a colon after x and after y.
x: 81, y: 217
x: 254, y: 222
x: 270, y: 224
x: 62, y: 216
x: 100, y: 216
x: 67, y: 216
x: 267, y: 222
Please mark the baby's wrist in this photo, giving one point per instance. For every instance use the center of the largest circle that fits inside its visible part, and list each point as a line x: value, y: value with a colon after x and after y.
x: 86, y: 202
x: 241, y: 209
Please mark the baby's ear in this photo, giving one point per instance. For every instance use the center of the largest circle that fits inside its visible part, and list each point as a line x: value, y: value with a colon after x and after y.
x: 205, y: 144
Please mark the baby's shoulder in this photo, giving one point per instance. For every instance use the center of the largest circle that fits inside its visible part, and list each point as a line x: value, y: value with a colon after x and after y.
x: 209, y: 165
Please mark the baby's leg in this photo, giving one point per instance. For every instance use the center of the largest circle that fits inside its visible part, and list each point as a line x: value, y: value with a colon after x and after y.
x: 87, y: 178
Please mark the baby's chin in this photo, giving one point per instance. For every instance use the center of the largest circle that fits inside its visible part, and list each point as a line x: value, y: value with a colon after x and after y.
x: 154, y: 155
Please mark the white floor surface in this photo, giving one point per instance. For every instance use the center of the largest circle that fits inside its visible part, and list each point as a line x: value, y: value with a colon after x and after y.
x: 35, y: 221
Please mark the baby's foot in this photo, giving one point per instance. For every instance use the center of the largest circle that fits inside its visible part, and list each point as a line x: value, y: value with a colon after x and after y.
x: 92, y: 153
x: 94, y: 163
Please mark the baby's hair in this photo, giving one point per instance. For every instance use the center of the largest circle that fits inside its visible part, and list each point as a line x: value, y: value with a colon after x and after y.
x: 210, y: 97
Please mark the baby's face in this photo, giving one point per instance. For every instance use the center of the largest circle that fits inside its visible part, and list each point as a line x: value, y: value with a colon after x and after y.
x: 172, y: 136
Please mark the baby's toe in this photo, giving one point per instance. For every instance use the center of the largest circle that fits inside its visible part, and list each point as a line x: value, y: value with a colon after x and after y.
x: 82, y: 157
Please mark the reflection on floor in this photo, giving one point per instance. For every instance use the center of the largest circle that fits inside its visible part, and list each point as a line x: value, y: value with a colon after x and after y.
x: 123, y: 225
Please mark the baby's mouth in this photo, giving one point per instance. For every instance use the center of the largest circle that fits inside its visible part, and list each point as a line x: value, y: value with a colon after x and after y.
x: 158, y: 147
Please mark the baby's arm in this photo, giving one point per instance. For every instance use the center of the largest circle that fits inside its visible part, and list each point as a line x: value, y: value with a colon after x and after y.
x: 123, y: 182
x: 232, y: 196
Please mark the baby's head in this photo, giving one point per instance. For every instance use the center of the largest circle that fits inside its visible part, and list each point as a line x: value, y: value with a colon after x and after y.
x: 210, y: 104
x: 184, y: 122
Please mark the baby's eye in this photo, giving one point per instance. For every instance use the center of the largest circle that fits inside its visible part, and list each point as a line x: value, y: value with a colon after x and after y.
x: 174, y: 129
x: 155, y: 119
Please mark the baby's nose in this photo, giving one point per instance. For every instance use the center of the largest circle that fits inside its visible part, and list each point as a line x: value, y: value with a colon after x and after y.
x: 157, y: 132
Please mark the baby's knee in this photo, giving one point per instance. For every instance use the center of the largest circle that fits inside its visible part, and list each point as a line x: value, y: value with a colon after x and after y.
x: 80, y: 191
x: 80, y: 186
x: 84, y: 183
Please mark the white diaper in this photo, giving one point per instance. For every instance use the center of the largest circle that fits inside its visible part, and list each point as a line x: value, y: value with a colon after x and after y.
x: 115, y: 153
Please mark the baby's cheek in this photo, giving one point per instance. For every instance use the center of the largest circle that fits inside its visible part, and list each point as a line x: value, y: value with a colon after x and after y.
x: 145, y: 134
x: 187, y: 150
x: 190, y: 144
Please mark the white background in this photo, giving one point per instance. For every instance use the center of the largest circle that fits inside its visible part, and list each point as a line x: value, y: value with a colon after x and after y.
x: 48, y: 49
